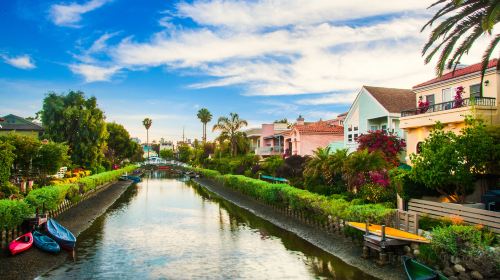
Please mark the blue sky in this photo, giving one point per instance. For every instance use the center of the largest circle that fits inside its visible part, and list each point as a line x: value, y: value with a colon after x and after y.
x: 265, y: 60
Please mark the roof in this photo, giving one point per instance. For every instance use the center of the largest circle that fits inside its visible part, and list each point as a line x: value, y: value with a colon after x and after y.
x: 13, y: 122
x: 320, y: 127
x: 253, y: 132
x: 460, y: 72
x: 343, y: 114
x: 393, y: 100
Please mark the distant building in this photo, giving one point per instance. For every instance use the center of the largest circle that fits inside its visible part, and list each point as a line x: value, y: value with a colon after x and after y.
x: 166, y: 145
x: 12, y: 123
x: 152, y: 152
x: 304, y: 138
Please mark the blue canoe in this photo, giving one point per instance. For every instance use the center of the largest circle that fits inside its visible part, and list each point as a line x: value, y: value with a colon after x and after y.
x: 61, y: 235
x: 45, y: 243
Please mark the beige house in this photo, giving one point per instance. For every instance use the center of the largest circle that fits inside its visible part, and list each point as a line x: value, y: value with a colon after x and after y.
x: 15, y: 124
x: 437, y: 98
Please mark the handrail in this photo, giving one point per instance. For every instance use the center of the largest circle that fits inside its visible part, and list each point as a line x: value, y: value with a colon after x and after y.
x: 466, y: 102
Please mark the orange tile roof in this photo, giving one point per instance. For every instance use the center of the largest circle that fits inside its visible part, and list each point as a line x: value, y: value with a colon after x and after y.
x: 320, y: 127
x: 459, y: 72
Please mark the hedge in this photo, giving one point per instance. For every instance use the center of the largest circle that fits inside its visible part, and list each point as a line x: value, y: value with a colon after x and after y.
x: 12, y: 212
x: 317, y: 206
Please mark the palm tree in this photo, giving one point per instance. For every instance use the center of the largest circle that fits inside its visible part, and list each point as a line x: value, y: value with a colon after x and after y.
x: 205, y: 117
x: 316, y: 165
x: 464, y: 21
x: 229, y: 128
x: 147, y: 124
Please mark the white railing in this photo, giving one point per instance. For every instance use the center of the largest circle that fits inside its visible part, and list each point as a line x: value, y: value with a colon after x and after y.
x: 269, y: 150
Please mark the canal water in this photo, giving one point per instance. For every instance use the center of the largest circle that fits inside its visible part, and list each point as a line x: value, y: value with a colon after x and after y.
x: 164, y: 228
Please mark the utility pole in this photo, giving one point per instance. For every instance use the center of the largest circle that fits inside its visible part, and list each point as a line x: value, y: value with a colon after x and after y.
x: 183, y: 134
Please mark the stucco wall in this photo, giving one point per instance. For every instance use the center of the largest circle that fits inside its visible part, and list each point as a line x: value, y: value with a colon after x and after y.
x: 310, y: 142
x: 488, y: 91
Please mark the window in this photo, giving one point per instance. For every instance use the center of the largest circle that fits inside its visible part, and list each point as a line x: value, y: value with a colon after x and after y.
x: 430, y: 99
x: 355, y: 128
x: 384, y: 127
x: 419, y: 147
x: 447, y: 98
x: 374, y: 127
x: 349, y: 138
x: 475, y: 90
x: 355, y: 136
x: 350, y: 128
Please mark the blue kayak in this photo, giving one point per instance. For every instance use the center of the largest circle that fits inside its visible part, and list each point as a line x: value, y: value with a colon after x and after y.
x: 61, y: 235
x: 136, y: 179
x: 45, y: 243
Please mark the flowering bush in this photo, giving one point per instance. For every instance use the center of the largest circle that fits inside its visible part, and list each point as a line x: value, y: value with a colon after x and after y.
x: 389, y: 144
x: 423, y: 106
x: 459, y: 101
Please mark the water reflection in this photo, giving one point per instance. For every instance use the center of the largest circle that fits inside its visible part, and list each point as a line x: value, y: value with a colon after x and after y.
x: 168, y: 229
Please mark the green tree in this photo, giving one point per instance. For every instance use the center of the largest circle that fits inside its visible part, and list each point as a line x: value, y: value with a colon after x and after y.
x: 183, y: 153
x: 26, y: 148
x: 50, y: 158
x: 462, y: 21
x: 167, y: 154
x: 205, y: 117
x: 7, y: 158
x: 229, y: 128
x: 450, y: 163
x: 120, y: 146
x: 147, y: 122
x: 137, y: 152
x: 79, y: 122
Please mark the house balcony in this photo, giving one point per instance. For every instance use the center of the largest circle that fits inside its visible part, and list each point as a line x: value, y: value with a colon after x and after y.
x: 269, y: 151
x: 447, y: 112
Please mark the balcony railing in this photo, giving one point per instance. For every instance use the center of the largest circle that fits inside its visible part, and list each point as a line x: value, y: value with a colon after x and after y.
x: 478, y: 101
x: 269, y: 150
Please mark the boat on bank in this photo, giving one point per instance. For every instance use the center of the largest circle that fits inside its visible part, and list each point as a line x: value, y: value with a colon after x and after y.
x: 416, y: 270
x: 63, y: 236
x: 389, y: 232
x: 21, y: 244
x: 45, y: 243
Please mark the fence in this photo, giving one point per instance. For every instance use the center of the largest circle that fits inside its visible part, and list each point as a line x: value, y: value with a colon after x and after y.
x: 469, y: 215
x: 7, y: 235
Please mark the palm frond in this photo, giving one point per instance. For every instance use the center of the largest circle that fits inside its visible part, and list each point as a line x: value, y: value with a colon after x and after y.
x: 486, y: 58
x: 465, y: 47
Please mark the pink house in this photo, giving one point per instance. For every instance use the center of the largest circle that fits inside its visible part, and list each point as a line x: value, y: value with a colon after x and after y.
x: 305, y: 138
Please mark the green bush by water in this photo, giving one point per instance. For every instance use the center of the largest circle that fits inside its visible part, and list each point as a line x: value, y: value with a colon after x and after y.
x: 319, y: 207
x: 12, y: 212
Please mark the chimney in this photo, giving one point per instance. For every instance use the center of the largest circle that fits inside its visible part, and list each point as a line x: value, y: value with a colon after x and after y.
x: 300, y: 120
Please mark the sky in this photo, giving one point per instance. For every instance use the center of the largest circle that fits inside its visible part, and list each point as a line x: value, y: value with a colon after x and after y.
x: 263, y: 59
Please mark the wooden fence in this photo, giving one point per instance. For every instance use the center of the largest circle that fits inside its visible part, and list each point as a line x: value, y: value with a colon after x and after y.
x: 469, y: 215
x: 7, y: 235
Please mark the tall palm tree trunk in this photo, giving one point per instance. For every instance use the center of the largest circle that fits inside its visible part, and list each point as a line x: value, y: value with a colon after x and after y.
x: 147, y: 141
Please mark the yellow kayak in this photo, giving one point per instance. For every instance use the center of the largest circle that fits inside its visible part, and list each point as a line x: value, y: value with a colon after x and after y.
x: 390, y: 232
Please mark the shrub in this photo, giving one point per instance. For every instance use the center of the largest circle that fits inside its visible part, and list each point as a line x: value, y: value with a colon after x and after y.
x: 12, y: 212
x: 318, y: 206
x: 457, y: 240
x: 49, y: 197
x: 375, y: 193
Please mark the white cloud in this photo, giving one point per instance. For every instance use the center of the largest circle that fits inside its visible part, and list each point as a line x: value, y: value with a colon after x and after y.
x: 334, y: 98
x: 71, y: 14
x: 93, y: 73
x: 234, y: 14
x: 22, y: 61
x: 285, y: 47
